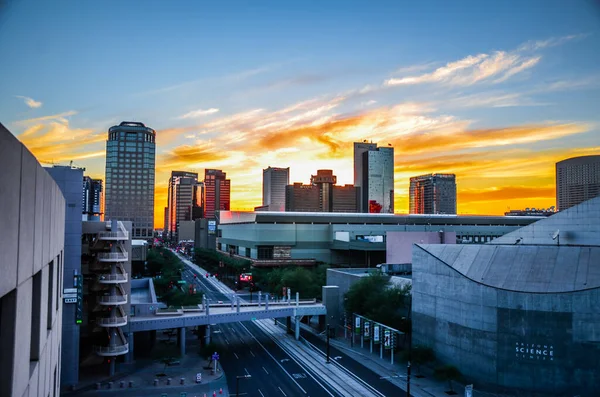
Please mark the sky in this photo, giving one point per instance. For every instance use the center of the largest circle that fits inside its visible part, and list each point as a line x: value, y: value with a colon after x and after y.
x: 495, y: 92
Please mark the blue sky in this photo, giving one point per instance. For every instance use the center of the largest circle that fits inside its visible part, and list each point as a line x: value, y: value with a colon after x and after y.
x: 240, y: 77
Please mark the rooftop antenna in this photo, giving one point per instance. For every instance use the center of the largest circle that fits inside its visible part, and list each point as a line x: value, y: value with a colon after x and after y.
x: 556, y: 236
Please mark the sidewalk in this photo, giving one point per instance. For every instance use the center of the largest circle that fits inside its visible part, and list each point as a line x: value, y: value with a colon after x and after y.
x: 419, y: 387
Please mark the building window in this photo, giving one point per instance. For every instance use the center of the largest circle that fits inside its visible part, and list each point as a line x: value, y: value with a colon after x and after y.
x: 36, y: 309
x: 265, y: 252
x: 50, y: 294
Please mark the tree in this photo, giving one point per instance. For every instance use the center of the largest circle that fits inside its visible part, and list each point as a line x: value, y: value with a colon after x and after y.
x: 419, y: 355
x: 448, y: 373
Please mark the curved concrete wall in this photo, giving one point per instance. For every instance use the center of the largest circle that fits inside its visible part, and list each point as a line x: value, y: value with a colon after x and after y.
x: 32, y: 222
x: 536, y: 343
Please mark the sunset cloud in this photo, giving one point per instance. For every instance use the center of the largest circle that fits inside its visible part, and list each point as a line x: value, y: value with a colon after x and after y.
x: 32, y: 103
x: 194, y: 114
x: 60, y: 117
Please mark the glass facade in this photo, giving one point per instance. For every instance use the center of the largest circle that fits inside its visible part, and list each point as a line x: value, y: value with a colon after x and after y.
x: 433, y: 194
x: 378, y: 181
x: 130, y: 168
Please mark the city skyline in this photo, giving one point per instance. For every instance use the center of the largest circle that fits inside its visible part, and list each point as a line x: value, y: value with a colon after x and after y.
x: 498, y: 108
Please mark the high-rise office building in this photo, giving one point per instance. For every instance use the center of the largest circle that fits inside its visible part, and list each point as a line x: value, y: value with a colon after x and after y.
x: 217, y: 192
x: 274, y: 182
x: 577, y: 180
x: 321, y: 195
x: 130, y: 165
x: 184, y: 200
x: 374, y: 177
x: 433, y: 194
x: 92, y: 199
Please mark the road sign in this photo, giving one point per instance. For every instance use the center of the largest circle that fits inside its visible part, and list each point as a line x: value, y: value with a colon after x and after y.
x: 367, y: 330
x: 70, y: 300
x: 387, y: 339
x: 469, y: 391
x: 199, y: 377
x: 215, y: 356
x: 376, y: 334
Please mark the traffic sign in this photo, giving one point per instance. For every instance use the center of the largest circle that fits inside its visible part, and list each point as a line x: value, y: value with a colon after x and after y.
x: 199, y: 377
x: 215, y: 356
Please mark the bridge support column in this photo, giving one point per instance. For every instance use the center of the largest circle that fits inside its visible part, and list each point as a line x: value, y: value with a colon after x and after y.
x: 207, y: 335
x: 297, y: 333
x: 267, y: 302
x: 259, y: 298
x: 288, y: 323
x: 129, y: 358
x: 181, y: 340
x: 237, y: 304
x: 297, y: 298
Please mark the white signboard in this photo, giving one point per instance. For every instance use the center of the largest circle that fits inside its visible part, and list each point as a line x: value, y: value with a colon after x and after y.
x: 70, y: 300
x: 357, y: 325
x: 376, y: 334
x: 69, y: 290
x: 70, y: 295
x: 199, y: 377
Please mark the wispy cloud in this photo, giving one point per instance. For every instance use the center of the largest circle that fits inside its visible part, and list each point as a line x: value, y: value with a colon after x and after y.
x: 472, y: 69
x: 60, y: 117
x: 194, y: 114
x: 534, y: 45
x: 492, y: 99
x: 32, y: 103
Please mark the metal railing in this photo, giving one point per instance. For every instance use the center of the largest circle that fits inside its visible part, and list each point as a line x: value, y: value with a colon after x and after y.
x: 111, y: 321
x: 114, y: 256
x: 111, y: 350
x: 114, y: 299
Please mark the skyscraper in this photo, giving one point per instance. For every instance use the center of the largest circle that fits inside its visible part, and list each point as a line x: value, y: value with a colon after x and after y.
x: 274, y: 182
x: 321, y: 195
x: 92, y: 199
x: 217, y: 192
x: 433, y: 194
x: 302, y: 198
x: 183, y: 200
x: 129, y: 189
x: 577, y: 180
x: 374, y: 176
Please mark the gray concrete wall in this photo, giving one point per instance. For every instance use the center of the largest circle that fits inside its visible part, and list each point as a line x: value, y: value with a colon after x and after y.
x: 480, y: 330
x: 186, y: 230
x: 70, y: 182
x: 31, y: 265
x: 399, y: 244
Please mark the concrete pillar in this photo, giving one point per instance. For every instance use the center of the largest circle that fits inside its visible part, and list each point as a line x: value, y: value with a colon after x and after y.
x: 111, y: 366
x: 289, y: 297
x: 181, y: 340
x: 288, y: 322
x: 297, y: 333
x: 237, y: 301
x: 207, y: 335
x: 232, y: 300
x: 129, y: 358
x: 267, y: 302
x: 297, y: 298
x: 259, y: 298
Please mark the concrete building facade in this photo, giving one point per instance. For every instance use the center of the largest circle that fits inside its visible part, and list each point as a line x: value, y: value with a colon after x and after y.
x: 31, y: 264
x: 321, y: 195
x: 432, y: 194
x: 520, y: 314
x: 69, y: 180
x: 275, y: 238
x: 577, y: 180
x: 274, y: 182
x: 93, y: 199
x: 130, y: 168
x: 184, y: 200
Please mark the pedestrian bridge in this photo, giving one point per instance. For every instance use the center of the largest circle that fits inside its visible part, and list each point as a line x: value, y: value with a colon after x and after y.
x: 223, y: 313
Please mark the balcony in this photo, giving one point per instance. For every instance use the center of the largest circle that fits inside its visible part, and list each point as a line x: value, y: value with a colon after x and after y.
x: 112, y: 300
x: 118, y: 321
x: 120, y: 256
x: 110, y: 351
x: 120, y: 277
x: 120, y: 234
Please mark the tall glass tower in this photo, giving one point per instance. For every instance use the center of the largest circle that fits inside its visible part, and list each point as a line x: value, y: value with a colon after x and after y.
x: 374, y: 177
x: 130, y: 166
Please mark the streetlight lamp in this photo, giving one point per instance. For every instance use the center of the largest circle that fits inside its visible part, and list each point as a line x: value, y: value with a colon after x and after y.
x: 237, y: 382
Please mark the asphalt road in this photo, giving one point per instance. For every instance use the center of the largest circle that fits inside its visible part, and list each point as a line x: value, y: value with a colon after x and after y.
x: 274, y: 372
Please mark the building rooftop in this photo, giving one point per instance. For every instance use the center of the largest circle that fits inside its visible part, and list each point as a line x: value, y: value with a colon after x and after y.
x: 556, y: 254
x: 232, y: 217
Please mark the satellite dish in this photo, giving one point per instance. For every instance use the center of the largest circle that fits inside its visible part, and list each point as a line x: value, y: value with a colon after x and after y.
x: 556, y: 234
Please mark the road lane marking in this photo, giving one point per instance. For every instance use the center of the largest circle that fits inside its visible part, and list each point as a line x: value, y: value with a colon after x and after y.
x: 247, y: 373
x: 274, y: 359
x: 226, y: 341
x: 261, y: 393
x: 236, y: 356
x: 266, y: 370
x: 252, y: 353
x: 281, y: 391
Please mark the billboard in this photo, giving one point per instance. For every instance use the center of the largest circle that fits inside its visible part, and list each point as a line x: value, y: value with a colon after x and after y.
x: 387, y: 339
x: 357, y: 325
x: 370, y: 239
